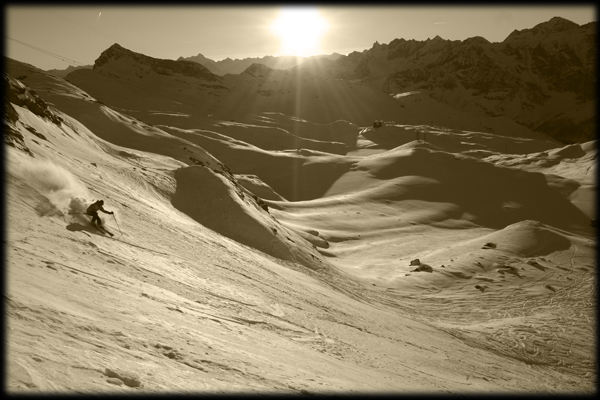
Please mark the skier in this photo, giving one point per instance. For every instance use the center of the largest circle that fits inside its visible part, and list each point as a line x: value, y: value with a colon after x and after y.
x: 93, y: 211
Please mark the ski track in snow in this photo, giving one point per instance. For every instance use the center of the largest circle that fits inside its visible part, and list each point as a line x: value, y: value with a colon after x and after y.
x: 420, y: 259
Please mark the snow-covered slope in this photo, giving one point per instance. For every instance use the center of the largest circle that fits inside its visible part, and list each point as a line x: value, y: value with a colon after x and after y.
x: 426, y: 258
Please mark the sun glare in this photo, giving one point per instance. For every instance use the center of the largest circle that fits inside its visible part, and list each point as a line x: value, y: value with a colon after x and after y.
x: 300, y: 31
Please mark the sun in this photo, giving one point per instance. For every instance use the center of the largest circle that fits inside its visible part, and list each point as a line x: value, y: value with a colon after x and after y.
x: 300, y: 30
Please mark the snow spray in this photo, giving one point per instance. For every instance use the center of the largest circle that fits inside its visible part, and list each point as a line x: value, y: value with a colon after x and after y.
x: 62, y: 188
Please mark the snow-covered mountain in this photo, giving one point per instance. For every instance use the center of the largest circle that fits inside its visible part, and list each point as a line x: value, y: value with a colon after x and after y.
x: 269, y: 237
x: 543, y: 78
x: 419, y: 239
x: 236, y: 66
x: 130, y: 80
x: 120, y: 59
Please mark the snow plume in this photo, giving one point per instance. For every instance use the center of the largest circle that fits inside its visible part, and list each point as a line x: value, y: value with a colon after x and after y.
x: 62, y: 188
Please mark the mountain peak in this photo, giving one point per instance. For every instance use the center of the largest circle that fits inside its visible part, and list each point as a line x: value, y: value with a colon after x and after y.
x: 201, y: 59
x: 555, y: 24
x: 114, y: 52
x: 117, y: 46
x: 558, y: 24
x: 257, y: 70
x: 160, y: 66
x: 477, y: 39
x: 117, y: 49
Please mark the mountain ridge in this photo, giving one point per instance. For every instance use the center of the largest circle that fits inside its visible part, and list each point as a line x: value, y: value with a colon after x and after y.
x: 62, y: 73
x: 524, y: 72
x: 236, y: 66
x: 160, y: 66
x: 542, y: 78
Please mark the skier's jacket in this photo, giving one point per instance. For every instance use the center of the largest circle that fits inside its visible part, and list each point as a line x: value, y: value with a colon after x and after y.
x: 95, y: 207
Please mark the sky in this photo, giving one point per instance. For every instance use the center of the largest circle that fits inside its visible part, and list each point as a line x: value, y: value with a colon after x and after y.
x: 54, y: 36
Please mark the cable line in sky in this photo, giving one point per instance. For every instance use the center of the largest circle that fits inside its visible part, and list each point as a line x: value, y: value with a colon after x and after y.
x: 147, y: 87
x: 47, y: 52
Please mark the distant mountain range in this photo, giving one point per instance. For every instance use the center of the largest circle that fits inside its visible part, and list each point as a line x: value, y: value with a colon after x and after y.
x: 61, y: 73
x: 237, y: 66
x: 542, y: 78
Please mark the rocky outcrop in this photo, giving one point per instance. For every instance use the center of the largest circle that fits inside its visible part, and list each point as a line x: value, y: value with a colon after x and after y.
x: 21, y: 95
x: 18, y: 93
x: 400, y: 48
x: 13, y: 137
x: 560, y: 52
x: 353, y: 66
x: 518, y: 78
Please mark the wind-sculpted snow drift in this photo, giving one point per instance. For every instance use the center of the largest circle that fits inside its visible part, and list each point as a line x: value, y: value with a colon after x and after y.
x: 425, y: 238
x: 232, y: 212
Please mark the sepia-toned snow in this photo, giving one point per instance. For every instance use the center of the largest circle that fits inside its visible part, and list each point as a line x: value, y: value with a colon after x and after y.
x: 256, y: 250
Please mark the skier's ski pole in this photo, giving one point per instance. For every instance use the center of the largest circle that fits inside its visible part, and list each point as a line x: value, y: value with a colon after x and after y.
x: 113, y: 214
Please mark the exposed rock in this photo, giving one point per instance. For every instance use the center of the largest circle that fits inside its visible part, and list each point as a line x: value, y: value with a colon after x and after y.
x: 508, y: 269
x: 18, y: 93
x: 536, y: 265
x: 10, y: 114
x: 12, y: 136
x: 423, y: 268
x: 517, y: 78
x: 481, y: 287
x: 36, y: 133
x: 128, y: 379
x: 115, y: 381
x: 550, y: 287
x: 261, y: 203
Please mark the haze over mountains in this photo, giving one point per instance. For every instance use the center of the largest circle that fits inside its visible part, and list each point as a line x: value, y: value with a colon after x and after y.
x: 236, y: 66
x: 542, y: 78
x: 416, y: 217
x: 61, y: 73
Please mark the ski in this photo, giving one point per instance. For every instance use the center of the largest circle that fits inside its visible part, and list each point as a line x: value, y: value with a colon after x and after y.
x: 103, y: 230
